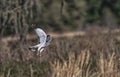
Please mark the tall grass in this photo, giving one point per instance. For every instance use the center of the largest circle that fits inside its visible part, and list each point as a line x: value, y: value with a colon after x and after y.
x: 73, y: 67
x: 83, y: 66
x: 87, y: 56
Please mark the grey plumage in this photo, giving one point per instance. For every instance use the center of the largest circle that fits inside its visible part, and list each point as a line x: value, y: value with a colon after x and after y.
x: 44, y: 40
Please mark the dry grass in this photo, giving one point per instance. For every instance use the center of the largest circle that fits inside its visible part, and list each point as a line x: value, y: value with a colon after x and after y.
x: 83, y: 66
x: 73, y: 67
x: 80, y: 56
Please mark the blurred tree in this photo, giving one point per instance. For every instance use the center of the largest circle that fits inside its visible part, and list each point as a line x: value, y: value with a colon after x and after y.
x: 17, y: 15
x: 117, y: 10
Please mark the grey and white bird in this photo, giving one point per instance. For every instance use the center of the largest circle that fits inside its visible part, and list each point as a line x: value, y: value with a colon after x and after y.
x: 44, y: 40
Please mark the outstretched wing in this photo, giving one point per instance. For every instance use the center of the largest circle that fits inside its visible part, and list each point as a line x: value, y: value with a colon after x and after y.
x: 41, y: 34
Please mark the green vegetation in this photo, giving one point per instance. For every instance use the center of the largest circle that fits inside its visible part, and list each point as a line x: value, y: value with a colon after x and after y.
x: 56, y: 15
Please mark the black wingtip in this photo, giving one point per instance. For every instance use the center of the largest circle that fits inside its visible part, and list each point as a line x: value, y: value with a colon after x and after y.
x: 32, y: 49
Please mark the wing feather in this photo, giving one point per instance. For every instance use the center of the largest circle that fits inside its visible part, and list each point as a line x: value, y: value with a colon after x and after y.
x: 41, y: 34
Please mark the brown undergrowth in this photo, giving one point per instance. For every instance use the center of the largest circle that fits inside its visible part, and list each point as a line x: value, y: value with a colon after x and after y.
x: 79, y: 56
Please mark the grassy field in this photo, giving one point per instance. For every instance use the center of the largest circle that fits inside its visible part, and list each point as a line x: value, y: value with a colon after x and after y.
x: 94, y: 55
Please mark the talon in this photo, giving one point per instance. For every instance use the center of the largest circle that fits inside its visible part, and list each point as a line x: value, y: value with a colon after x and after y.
x: 38, y: 54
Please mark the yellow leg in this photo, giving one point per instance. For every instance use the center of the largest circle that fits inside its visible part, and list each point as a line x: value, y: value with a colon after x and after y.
x: 38, y: 54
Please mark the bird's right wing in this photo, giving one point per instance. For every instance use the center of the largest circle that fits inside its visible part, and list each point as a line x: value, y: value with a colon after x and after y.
x: 41, y: 34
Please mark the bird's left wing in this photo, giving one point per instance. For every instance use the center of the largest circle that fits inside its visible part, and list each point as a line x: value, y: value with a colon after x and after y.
x: 41, y: 34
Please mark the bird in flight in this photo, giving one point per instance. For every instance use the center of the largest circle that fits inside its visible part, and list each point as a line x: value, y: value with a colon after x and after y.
x: 44, y: 40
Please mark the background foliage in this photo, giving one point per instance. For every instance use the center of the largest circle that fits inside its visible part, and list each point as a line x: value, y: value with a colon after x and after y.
x: 95, y: 54
x: 16, y: 16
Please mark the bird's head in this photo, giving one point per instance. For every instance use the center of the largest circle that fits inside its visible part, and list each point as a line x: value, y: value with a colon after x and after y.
x: 49, y: 38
